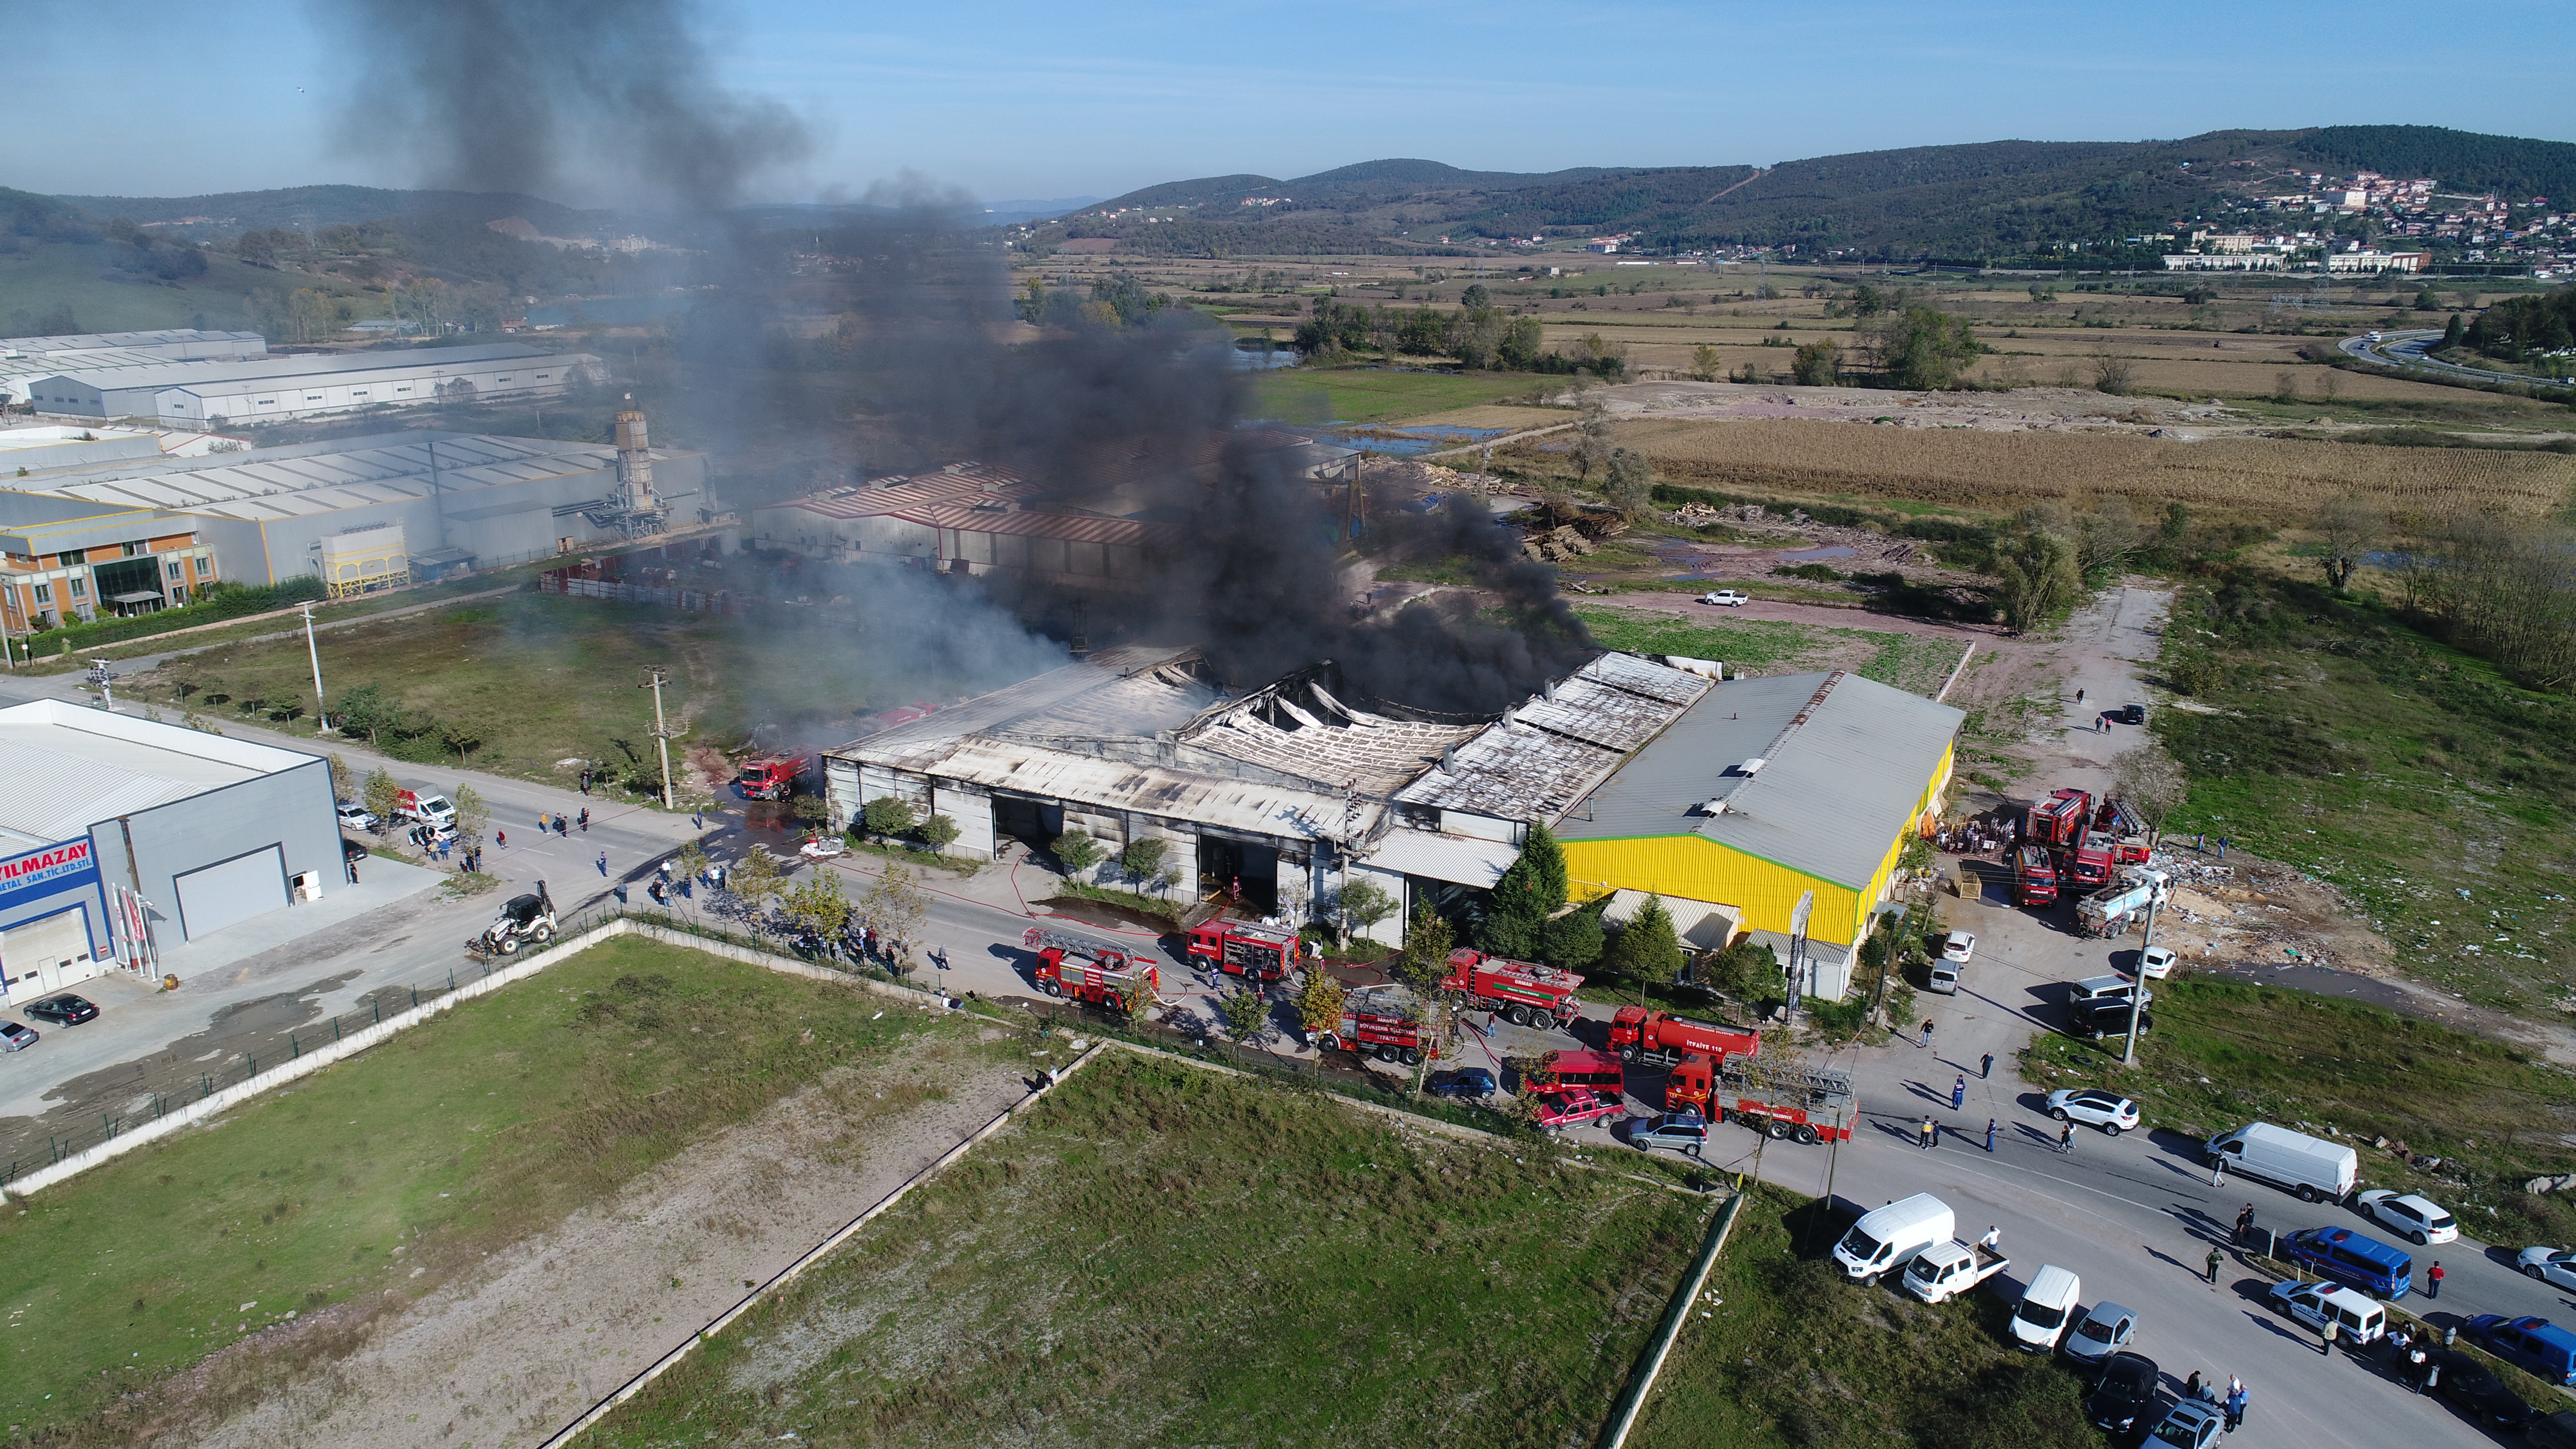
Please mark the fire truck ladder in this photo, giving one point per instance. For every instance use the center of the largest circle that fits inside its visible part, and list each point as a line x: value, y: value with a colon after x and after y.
x: 1114, y: 957
x: 1818, y: 1084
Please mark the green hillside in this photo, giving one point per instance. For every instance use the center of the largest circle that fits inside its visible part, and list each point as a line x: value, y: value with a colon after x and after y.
x: 55, y: 287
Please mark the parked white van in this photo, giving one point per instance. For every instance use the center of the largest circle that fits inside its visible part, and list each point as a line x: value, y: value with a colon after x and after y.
x: 1888, y: 1238
x: 2312, y: 1167
x: 2047, y: 1306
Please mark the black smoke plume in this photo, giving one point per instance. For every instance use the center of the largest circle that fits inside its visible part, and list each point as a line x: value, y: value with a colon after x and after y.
x: 903, y: 351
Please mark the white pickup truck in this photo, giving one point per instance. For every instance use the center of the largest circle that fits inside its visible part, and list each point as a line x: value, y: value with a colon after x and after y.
x: 1946, y: 1270
x: 1727, y: 598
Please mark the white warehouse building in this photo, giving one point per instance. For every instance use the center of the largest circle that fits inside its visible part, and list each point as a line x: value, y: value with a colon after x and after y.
x: 221, y: 394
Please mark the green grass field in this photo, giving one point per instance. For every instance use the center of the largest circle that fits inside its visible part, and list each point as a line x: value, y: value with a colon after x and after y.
x: 459, y: 1136
x: 1368, y: 395
x: 2439, y: 795
x: 1160, y: 1254
x: 2223, y: 1054
x: 104, y: 300
x: 1913, y: 662
x: 1792, y: 1353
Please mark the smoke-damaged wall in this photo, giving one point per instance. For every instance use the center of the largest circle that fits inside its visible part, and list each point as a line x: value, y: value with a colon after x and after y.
x: 890, y: 345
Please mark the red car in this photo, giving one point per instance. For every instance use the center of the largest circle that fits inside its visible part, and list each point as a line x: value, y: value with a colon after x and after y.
x: 1558, y: 1111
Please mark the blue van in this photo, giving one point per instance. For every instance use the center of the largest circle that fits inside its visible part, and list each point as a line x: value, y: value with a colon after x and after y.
x: 2347, y: 1257
x: 2533, y: 1344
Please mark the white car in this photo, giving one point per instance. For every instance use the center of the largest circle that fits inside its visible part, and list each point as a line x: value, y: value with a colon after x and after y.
x: 2550, y: 1265
x: 1727, y: 598
x: 354, y: 816
x: 1958, y: 946
x: 2413, y: 1216
x: 2110, y: 1111
x: 2157, y: 962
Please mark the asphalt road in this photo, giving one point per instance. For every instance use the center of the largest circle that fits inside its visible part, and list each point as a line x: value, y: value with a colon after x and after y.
x: 2409, y: 349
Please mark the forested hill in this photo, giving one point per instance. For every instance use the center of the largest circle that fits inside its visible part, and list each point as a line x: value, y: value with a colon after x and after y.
x: 1992, y: 199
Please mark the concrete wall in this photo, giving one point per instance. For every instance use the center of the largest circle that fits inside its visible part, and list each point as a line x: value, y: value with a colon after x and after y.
x: 291, y: 809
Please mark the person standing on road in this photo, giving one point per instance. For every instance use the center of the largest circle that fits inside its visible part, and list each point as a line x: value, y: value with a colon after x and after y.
x: 2235, y: 1404
x: 697, y: 820
x: 2215, y: 1258
x: 2433, y: 1282
x: 2222, y: 847
x: 2079, y: 696
x: 1925, y: 1039
x: 501, y: 838
x: 585, y: 820
x: 603, y: 863
x: 1959, y: 1092
x: 2245, y: 1225
x: 2217, y: 1165
x: 1990, y: 1136
x: 2066, y: 1139
x: 2191, y: 1386
x: 1927, y: 1133
x: 1986, y: 1068
x: 2326, y: 1338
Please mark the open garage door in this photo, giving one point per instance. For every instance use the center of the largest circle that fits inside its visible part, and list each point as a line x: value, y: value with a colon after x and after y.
x: 232, y: 891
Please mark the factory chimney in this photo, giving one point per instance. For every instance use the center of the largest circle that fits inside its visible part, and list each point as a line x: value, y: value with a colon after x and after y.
x: 634, y: 462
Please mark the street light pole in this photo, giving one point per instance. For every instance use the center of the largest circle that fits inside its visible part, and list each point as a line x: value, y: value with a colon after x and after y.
x: 2129, y: 1051
x: 312, y: 651
x: 661, y: 732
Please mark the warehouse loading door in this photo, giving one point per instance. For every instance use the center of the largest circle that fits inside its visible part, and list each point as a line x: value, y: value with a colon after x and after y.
x: 232, y: 892
x: 43, y: 955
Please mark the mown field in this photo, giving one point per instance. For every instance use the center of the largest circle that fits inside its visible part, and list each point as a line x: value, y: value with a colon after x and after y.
x: 1370, y: 395
x: 1158, y: 1254
x: 1793, y: 1353
x: 1914, y: 662
x: 464, y: 1134
x: 2223, y: 1054
x: 2276, y: 480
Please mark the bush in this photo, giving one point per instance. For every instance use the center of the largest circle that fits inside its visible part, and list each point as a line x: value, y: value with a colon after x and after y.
x: 220, y: 602
x: 887, y: 815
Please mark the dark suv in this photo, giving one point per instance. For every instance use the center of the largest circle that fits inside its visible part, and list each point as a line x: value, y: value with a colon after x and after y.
x: 2124, y: 1397
x: 1465, y: 1082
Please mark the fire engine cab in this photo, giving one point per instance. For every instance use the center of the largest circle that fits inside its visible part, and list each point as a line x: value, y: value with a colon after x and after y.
x: 1244, y: 948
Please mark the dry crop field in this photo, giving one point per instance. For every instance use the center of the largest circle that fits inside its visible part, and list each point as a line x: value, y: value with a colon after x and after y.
x: 2276, y: 480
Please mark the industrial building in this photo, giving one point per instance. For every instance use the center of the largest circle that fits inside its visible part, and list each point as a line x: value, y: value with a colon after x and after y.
x: 24, y: 359
x: 1765, y: 792
x: 123, y: 535
x: 1731, y: 801
x: 218, y: 394
x: 124, y: 837
x: 966, y: 518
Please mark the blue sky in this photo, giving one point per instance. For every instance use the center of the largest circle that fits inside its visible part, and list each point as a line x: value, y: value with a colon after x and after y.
x: 1012, y: 99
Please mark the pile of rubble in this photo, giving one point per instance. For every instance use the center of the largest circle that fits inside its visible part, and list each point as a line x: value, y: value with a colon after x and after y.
x: 1420, y: 477
x: 1558, y: 533
x: 1561, y: 544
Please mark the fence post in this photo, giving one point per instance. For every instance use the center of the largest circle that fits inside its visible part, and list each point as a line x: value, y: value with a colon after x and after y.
x: 415, y: 998
x: 294, y: 1048
x: 335, y: 1028
x: 111, y: 1125
x: 451, y: 978
x: 206, y: 1081
x: 376, y: 1004
x: 252, y: 1069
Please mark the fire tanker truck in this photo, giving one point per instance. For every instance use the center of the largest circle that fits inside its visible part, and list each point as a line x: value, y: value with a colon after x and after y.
x: 1521, y: 992
x: 1661, y: 1039
x: 1784, y: 1100
x: 2034, y: 879
x: 1091, y: 971
x: 772, y: 777
x: 1387, y: 1022
x: 1245, y: 948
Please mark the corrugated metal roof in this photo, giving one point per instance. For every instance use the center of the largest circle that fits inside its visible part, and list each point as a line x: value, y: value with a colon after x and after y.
x: 325, y: 364
x: 1455, y: 858
x: 95, y: 341
x: 308, y: 478
x: 61, y: 780
x: 892, y: 495
x: 1845, y: 760
x: 1071, y: 527
x: 1547, y: 753
x: 917, y: 745
x: 1253, y: 807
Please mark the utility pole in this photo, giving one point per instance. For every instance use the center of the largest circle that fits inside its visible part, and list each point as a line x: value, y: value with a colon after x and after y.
x: 661, y: 731
x: 321, y: 719
x: 2129, y: 1052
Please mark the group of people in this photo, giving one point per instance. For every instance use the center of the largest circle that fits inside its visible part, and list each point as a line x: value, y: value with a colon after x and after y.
x: 1974, y: 837
x: 2232, y: 1403
x: 2411, y: 1355
x: 561, y: 824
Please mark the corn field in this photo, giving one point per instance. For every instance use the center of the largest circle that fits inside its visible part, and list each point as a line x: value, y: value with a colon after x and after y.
x: 2276, y: 480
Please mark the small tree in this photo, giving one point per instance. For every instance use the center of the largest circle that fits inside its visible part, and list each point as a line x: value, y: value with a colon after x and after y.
x: 1575, y: 938
x: 363, y: 710
x: 757, y: 879
x: 2036, y: 580
x: 1077, y: 852
x: 2347, y: 530
x: 384, y: 793
x: 1320, y: 999
x: 473, y: 813
x: 690, y: 860
x: 1817, y: 364
x: 1424, y: 963
x: 1246, y: 1013
x: 1750, y: 970
x: 2150, y: 783
x: 344, y: 781
x: 940, y: 832
x: 895, y: 904
x: 1591, y: 436
x: 461, y: 735
x: 1527, y: 895
x: 886, y: 815
x: 1632, y: 483
x: 810, y: 810
x: 1647, y: 948
x: 2113, y: 373
x: 1362, y: 904
x: 817, y: 903
x: 1705, y: 363
x: 1142, y: 860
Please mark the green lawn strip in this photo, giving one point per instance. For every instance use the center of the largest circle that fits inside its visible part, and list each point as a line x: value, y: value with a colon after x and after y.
x: 2406, y: 773
x: 2222, y: 1054
x: 1915, y: 662
x: 1790, y: 1352
x: 1369, y: 395
x: 452, y: 1139
x: 1161, y: 1254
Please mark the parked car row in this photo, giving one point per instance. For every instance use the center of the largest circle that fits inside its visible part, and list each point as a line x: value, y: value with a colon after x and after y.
x: 64, y: 1009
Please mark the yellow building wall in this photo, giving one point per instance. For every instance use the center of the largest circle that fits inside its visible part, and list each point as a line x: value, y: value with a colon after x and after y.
x: 1696, y: 868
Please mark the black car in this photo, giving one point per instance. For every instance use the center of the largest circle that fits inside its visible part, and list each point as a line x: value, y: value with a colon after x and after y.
x: 351, y: 852
x: 2130, y: 714
x: 1465, y: 1082
x: 2123, y: 1400
x: 63, y: 1010
x: 2478, y: 1393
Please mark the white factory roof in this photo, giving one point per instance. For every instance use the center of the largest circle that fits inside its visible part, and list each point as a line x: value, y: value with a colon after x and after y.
x: 102, y: 341
x: 71, y: 766
x: 332, y: 364
x: 308, y: 478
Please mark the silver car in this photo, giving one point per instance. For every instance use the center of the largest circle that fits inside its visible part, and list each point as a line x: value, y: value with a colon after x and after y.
x: 16, y: 1036
x: 2101, y: 1333
x: 2092, y: 1106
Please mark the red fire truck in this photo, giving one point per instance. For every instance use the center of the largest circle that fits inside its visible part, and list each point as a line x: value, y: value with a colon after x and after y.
x: 1091, y: 971
x: 1245, y: 948
x: 1557, y: 1071
x: 2131, y: 834
x: 2058, y: 820
x: 2088, y: 863
x: 1659, y: 1038
x: 1789, y: 1101
x: 2034, y: 879
x: 1385, y: 1022
x: 1521, y: 992
x: 772, y: 777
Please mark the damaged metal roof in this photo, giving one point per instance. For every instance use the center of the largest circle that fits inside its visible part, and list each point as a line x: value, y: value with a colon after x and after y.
x: 1250, y: 806
x: 1549, y: 752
